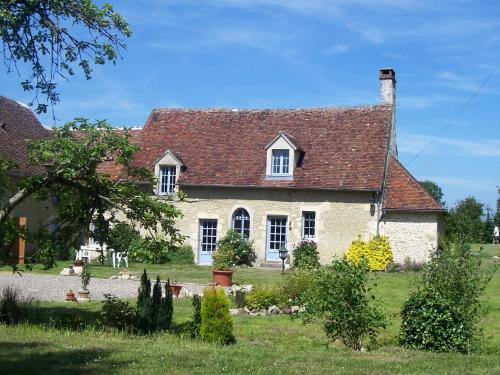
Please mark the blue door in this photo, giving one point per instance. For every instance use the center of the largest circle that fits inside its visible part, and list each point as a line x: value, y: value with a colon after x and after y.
x: 277, y: 236
x: 207, y: 240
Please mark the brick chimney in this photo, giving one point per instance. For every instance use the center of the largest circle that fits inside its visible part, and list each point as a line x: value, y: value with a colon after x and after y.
x: 387, y: 86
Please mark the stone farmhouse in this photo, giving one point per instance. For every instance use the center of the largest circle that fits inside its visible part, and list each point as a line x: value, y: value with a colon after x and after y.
x: 19, y: 126
x: 279, y: 176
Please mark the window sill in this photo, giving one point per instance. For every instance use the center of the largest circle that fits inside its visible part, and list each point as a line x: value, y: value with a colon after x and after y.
x: 277, y: 177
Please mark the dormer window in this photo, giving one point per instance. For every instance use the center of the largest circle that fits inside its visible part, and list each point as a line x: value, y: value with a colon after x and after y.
x: 282, y: 156
x: 167, y: 170
x: 168, y: 177
x: 281, y: 162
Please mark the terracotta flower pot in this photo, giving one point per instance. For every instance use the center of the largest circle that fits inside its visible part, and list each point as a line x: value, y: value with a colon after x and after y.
x: 83, y: 295
x: 222, y: 278
x: 175, y: 289
x: 70, y: 296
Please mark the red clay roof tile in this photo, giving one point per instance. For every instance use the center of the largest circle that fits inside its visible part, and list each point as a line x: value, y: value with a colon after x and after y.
x: 403, y: 192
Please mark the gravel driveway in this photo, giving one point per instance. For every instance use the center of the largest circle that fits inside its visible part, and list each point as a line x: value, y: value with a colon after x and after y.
x: 54, y: 288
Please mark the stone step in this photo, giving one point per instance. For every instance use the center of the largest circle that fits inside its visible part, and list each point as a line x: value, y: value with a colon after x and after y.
x: 271, y: 265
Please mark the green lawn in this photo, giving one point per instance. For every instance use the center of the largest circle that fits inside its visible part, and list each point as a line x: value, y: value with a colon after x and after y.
x: 265, y: 345
x: 180, y: 272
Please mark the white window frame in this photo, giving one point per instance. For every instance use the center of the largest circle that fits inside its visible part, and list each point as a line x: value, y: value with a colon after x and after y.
x: 208, y: 234
x: 245, y: 217
x: 276, y: 230
x: 306, y: 225
x: 280, y: 162
x: 167, y: 181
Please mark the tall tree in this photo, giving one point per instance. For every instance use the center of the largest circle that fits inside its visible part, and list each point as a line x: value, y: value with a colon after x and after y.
x: 55, y: 37
x: 497, y: 215
x: 433, y: 189
x: 73, y: 177
x: 465, y: 220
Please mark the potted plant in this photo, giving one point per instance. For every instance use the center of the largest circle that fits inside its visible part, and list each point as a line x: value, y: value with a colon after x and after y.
x: 223, y: 261
x: 85, y: 278
x: 175, y: 288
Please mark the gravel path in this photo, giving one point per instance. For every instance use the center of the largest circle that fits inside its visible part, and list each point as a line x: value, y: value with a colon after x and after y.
x: 54, y: 288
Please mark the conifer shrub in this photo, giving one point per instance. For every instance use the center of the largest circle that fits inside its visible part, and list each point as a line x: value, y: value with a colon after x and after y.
x: 156, y: 301
x: 376, y: 251
x: 166, y: 311
x: 194, y: 325
x: 216, y: 321
x: 144, y: 304
x: 154, y: 312
x: 443, y: 314
x: 306, y: 255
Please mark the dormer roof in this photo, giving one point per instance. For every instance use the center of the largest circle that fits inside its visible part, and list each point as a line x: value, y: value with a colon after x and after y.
x: 287, y: 138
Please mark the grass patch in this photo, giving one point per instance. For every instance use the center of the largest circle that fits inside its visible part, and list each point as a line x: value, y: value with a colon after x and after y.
x: 50, y: 343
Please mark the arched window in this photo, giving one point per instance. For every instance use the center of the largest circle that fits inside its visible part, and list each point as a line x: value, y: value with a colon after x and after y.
x: 241, y: 222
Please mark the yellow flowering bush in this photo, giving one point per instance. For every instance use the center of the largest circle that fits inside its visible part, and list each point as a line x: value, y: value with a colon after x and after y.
x: 376, y: 251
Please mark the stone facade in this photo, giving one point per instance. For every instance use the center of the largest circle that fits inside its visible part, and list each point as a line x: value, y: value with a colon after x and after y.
x: 340, y: 216
x: 411, y: 234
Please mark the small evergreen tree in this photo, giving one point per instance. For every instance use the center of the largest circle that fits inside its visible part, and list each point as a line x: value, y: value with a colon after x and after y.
x: 156, y: 302
x: 216, y: 321
x: 144, y: 304
x: 196, y: 321
x: 166, y: 311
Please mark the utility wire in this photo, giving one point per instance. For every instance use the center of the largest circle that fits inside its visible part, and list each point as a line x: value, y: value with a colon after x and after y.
x: 459, y: 112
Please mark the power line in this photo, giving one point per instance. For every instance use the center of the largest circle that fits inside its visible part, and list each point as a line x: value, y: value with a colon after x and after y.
x: 459, y: 112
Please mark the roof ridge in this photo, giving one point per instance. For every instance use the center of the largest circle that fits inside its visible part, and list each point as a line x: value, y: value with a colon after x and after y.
x: 253, y: 110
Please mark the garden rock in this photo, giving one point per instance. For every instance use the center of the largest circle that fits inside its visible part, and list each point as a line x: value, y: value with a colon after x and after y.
x: 273, y: 310
x: 295, y: 309
x: 67, y: 272
x: 247, y: 310
x: 234, y: 311
x: 78, y: 270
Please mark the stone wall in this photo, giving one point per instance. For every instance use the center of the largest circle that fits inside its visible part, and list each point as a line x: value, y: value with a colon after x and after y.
x: 411, y: 234
x: 340, y: 216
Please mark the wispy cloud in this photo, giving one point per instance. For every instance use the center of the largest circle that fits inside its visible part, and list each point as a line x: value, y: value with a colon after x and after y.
x: 476, y: 184
x: 457, y: 81
x: 414, y: 143
x: 419, y: 102
x: 336, y: 49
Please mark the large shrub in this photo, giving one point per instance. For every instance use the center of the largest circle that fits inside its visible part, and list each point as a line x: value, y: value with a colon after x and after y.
x: 158, y: 252
x: 263, y: 298
x: 443, y: 314
x: 305, y: 255
x: 340, y: 299
x: 117, y: 313
x: 241, y: 246
x: 181, y: 255
x: 216, y: 321
x: 121, y: 237
x: 297, y: 283
x: 376, y: 251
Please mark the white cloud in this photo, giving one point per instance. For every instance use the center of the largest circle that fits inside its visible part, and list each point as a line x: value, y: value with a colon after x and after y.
x: 477, y: 184
x: 415, y: 143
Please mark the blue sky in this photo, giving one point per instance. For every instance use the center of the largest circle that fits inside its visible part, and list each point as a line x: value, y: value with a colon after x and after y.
x: 314, y: 53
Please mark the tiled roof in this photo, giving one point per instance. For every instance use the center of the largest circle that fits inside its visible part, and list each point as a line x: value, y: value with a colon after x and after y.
x: 404, y: 193
x: 344, y: 148
x: 19, y: 126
